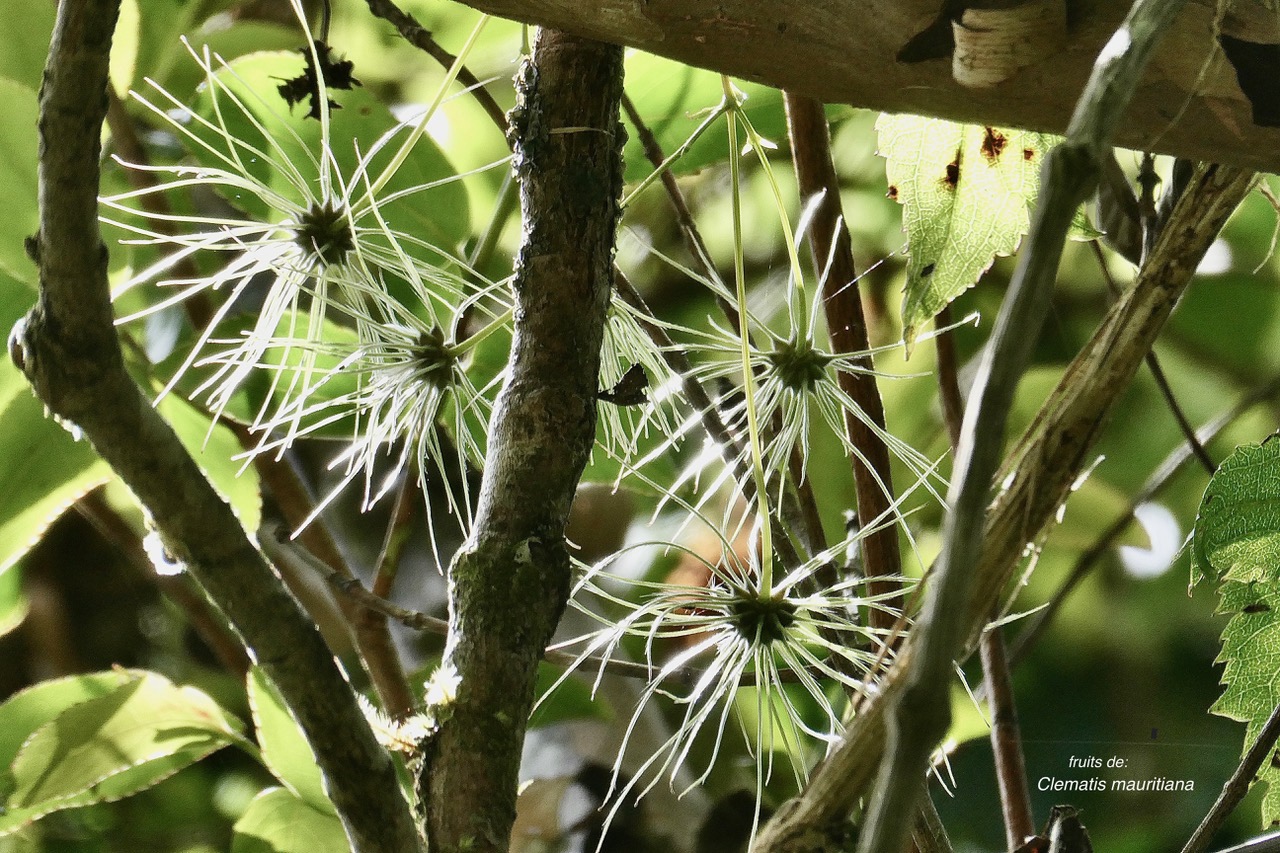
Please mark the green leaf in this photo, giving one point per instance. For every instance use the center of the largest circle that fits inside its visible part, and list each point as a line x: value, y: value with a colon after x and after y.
x: 278, y: 822
x: 24, y: 43
x: 130, y: 735
x: 18, y: 153
x: 1237, y: 533
x: 214, y: 448
x: 284, y: 749
x: 28, y: 709
x: 572, y: 700
x: 672, y: 100
x: 43, y: 468
x: 965, y: 190
x: 1251, y: 652
x: 1237, y: 540
x: 13, y: 602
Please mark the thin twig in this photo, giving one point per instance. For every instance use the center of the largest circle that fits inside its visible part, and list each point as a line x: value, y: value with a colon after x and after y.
x: 1155, y: 483
x: 1237, y: 786
x: 418, y: 36
x: 1268, y: 843
x: 1157, y: 373
x: 177, y: 588
x: 372, y: 638
x: 831, y: 246
x: 1006, y: 741
x: 949, y: 377
x: 801, y: 506
x: 387, y: 565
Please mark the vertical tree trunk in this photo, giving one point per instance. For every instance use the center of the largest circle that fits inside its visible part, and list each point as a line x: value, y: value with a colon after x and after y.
x: 509, y: 584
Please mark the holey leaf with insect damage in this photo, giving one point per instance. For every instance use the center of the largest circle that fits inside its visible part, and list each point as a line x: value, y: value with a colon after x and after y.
x: 1237, y: 541
x: 965, y: 192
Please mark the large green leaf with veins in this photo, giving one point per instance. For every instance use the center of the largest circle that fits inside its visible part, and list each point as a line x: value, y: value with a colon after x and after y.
x: 965, y: 191
x: 279, y: 822
x: 102, y: 737
x: 1237, y: 542
x: 1237, y: 535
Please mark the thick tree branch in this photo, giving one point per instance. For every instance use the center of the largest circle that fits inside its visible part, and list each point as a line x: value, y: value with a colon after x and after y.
x: 68, y: 349
x: 509, y: 582
x: 1039, y: 474
x: 847, y: 52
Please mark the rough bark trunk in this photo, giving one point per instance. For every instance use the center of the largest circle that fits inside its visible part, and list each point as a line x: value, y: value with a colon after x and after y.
x: 509, y: 583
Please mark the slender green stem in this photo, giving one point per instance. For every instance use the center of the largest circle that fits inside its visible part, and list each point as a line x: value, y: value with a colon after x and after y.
x: 748, y: 376
x: 421, y: 127
x: 800, y: 310
x: 723, y: 107
x: 461, y: 348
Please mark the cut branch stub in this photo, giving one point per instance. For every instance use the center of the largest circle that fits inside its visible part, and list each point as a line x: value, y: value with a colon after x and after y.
x: 992, y: 45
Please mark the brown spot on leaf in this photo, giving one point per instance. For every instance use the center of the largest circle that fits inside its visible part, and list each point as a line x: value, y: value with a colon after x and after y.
x: 893, y: 192
x: 952, y: 177
x: 1028, y: 154
x: 1257, y: 607
x: 993, y: 143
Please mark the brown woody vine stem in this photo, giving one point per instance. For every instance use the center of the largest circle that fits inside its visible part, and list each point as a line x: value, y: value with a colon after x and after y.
x: 842, y: 301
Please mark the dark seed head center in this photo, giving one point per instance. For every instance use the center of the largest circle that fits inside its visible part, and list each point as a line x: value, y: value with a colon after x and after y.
x: 765, y: 617
x: 799, y: 365
x: 435, y: 359
x: 325, y: 231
